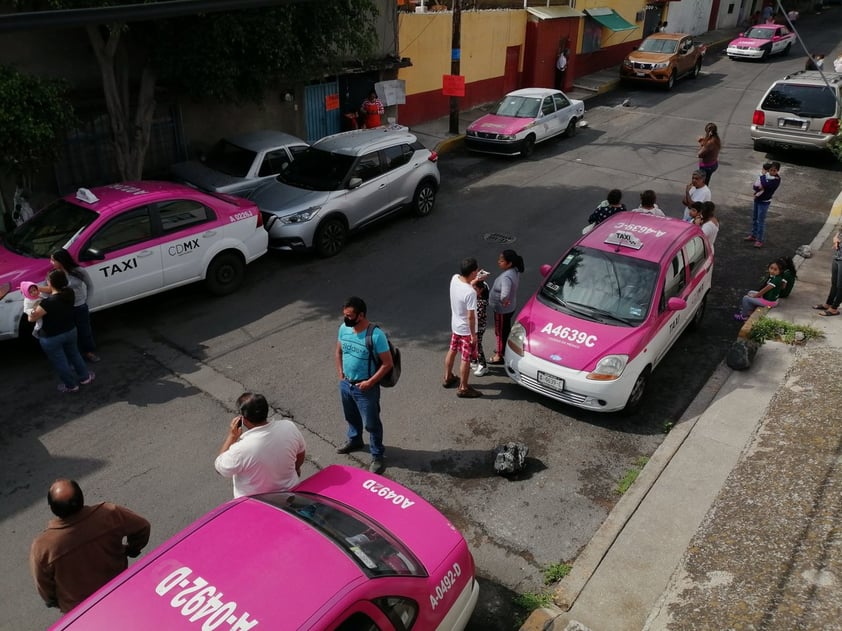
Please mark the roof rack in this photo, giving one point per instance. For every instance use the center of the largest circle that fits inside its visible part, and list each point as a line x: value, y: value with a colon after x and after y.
x: 832, y: 77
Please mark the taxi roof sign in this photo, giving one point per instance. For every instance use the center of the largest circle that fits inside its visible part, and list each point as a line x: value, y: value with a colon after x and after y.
x: 85, y: 195
x: 625, y: 239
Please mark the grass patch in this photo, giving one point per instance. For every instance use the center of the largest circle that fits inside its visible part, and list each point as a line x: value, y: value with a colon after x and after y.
x: 531, y: 601
x: 767, y: 328
x: 555, y: 572
x: 631, y: 475
x: 667, y: 426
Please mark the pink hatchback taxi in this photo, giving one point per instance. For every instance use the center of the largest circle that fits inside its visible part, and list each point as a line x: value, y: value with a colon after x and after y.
x: 609, y: 310
x: 345, y: 550
x: 135, y: 239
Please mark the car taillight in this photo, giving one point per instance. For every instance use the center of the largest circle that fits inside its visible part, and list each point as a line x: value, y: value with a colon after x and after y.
x: 433, y: 156
x: 259, y: 218
x: 831, y: 126
x: 759, y: 118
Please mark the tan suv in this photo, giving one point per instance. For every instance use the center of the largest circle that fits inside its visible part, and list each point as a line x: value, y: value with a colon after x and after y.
x: 662, y: 58
x: 800, y: 111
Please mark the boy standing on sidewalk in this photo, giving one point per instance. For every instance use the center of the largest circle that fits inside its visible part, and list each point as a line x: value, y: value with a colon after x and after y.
x: 764, y: 187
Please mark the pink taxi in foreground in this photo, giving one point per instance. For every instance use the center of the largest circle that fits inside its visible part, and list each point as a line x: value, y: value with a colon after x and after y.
x: 135, y: 239
x: 609, y: 310
x: 524, y: 118
x: 345, y: 550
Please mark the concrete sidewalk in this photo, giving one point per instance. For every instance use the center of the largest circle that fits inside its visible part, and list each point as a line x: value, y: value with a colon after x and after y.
x: 733, y: 523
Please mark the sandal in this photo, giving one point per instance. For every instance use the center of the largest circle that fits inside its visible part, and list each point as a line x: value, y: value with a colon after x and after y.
x: 495, y: 361
x: 820, y: 307
x: 450, y: 381
x: 828, y: 313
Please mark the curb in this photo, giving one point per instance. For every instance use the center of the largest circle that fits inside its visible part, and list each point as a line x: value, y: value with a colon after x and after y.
x: 449, y: 144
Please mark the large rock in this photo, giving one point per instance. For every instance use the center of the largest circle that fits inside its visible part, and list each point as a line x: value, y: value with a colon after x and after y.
x: 741, y: 354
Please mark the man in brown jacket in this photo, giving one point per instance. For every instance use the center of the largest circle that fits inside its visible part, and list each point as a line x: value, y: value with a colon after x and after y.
x: 82, y: 549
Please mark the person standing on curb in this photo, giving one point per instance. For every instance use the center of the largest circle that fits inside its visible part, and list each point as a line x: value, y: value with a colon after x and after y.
x: 561, y: 68
x: 463, y: 326
x: 359, y: 381
x: 83, y: 547
x: 830, y: 307
x: 695, y: 191
x: 764, y: 187
x: 261, y: 456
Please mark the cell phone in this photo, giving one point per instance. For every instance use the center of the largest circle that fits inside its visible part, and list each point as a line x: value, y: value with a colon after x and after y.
x: 482, y: 274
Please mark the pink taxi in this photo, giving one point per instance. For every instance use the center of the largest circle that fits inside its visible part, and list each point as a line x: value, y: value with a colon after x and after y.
x: 609, y: 310
x: 344, y: 550
x: 523, y: 119
x: 761, y: 41
x: 135, y: 239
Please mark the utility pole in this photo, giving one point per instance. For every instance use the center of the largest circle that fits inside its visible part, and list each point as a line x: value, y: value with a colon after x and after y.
x: 455, y: 56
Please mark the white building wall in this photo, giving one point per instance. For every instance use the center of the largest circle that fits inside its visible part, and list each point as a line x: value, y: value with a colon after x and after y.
x: 739, y: 9
x: 689, y: 16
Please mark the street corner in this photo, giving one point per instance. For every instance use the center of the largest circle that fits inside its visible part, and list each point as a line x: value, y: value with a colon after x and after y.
x: 450, y: 144
x: 745, y: 330
x: 542, y: 619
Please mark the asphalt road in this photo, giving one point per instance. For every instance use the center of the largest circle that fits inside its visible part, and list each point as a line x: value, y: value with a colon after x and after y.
x: 146, y: 432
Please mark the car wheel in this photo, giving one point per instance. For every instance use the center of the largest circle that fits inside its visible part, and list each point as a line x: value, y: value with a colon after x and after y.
x: 671, y: 81
x: 697, y: 69
x: 785, y: 51
x: 424, y: 198
x: 638, y: 390
x: 696, y: 322
x: 571, y: 127
x: 330, y: 237
x: 528, y: 146
x: 765, y: 56
x: 225, y: 273
x: 758, y: 146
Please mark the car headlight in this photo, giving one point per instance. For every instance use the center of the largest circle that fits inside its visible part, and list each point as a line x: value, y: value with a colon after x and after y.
x: 301, y: 216
x: 662, y: 65
x: 517, y: 338
x: 627, y: 63
x: 609, y: 368
x: 507, y: 136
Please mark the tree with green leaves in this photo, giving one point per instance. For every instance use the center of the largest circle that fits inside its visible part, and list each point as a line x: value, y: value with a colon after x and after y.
x: 35, y: 112
x: 228, y: 57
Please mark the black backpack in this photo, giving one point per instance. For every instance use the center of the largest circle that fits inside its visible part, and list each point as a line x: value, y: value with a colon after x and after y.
x: 391, y: 377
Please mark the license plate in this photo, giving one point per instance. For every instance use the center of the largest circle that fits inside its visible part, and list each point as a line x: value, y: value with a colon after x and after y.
x: 551, y: 381
x: 640, y: 74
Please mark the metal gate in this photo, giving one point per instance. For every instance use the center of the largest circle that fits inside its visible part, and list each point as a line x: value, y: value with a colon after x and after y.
x: 320, y: 120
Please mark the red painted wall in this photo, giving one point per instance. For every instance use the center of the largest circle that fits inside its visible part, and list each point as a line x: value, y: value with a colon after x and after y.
x: 541, y: 51
x: 426, y: 106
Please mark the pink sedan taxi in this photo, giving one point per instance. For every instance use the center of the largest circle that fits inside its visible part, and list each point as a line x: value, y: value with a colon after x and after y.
x: 135, y: 239
x: 609, y: 310
x: 345, y: 550
x: 761, y: 41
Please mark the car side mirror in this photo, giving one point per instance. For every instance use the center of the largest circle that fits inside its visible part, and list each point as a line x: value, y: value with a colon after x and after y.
x: 676, y: 304
x: 91, y: 254
x: 354, y: 182
x: 545, y: 269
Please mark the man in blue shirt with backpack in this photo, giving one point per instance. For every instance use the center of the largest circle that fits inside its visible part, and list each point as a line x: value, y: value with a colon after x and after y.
x: 360, y: 372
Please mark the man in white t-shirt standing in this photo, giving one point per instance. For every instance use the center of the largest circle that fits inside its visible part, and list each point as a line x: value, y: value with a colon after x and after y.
x: 261, y: 456
x: 561, y: 68
x: 696, y: 191
x: 463, y: 325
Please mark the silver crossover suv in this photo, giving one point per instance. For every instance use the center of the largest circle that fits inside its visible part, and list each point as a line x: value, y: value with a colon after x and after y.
x: 800, y: 111
x: 344, y: 182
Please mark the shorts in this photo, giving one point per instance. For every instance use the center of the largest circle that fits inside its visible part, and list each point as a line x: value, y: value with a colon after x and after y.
x: 462, y: 344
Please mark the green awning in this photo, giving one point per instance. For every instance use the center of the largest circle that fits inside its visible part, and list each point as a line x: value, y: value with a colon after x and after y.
x: 609, y: 18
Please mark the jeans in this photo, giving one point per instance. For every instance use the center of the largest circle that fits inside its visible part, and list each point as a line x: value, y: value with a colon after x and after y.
x: 708, y: 171
x: 63, y: 353
x: 362, y: 409
x: 834, y: 296
x: 750, y: 302
x: 83, y: 329
x: 758, y: 219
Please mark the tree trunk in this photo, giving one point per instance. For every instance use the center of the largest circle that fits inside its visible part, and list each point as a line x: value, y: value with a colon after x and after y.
x: 130, y: 135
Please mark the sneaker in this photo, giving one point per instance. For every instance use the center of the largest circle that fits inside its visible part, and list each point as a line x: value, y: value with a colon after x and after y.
x: 468, y: 393
x: 749, y: 238
x: 64, y: 389
x: 92, y: 357
x: 91, y: 377
x: 480, y: 370
x: 758, y: 244
x: 351, y: 445
x: 377, y: 465
x: 740, y: 317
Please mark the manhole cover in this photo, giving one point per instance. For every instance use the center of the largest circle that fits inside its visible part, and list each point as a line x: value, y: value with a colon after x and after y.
x: 498, y: 237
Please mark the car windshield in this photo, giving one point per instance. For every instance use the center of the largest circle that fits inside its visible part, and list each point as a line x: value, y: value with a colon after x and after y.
x: 601, y: 286
x: 519, y: 107
x: 317, y: 170
x: 659, y: 46
x: 51, y: 229
x: 228, y: 158
x: 760, y: 33
x: 376, y: 551
x: 813, y: 101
